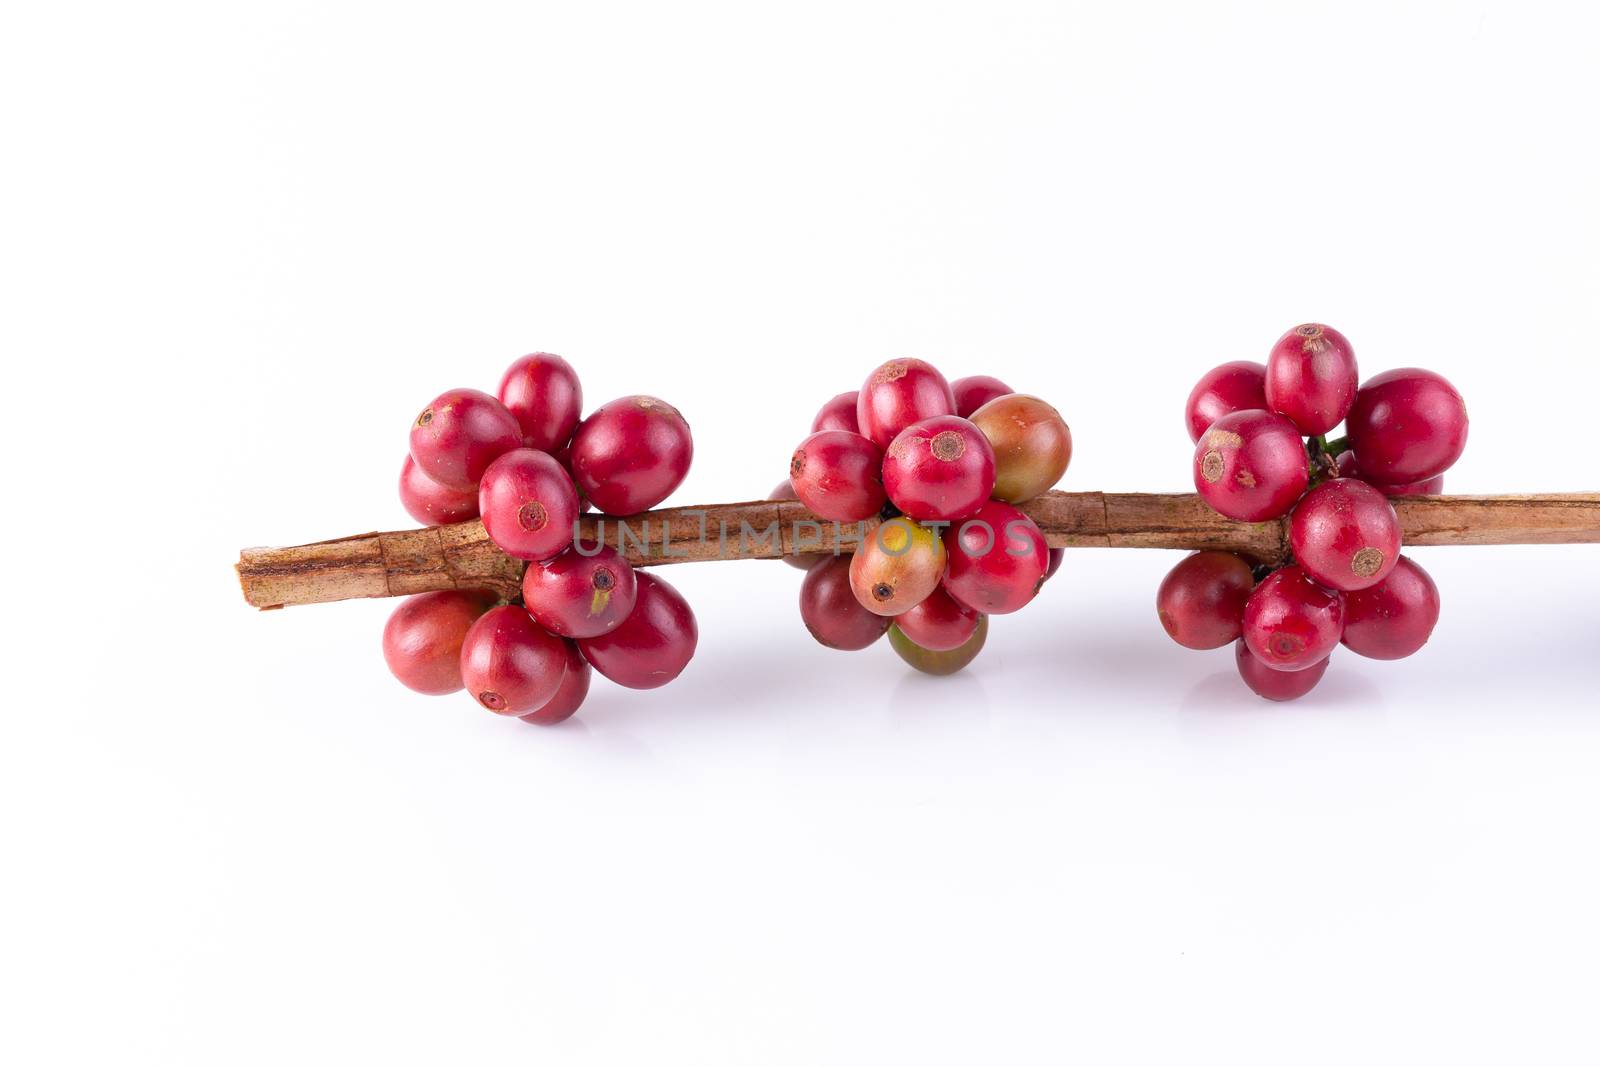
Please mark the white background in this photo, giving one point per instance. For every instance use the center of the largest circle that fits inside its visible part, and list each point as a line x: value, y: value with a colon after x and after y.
x: 243, y: 244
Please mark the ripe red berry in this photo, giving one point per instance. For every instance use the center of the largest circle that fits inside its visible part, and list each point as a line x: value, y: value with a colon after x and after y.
x: 898, y: 564
x: 998, y: 559
x: 528, y: 504
x: 1291, y: 622
x: 570, y: 693
x: 1057, y: 555
x: 1394, y: 618
x: 1311, y: 378
x: 939, y: 623
x: 830, y: 610
x: 1273, y: 684
x: 422, y: 639
x: 458, y: 435
x: 784, y: 490
x: 542, y: 391
x: 1345, y: 534
x: 1407, y: 426
x: 939, y: 469
x: 510, y: 664
x: 1201, y: 600
x: 901, y: 392
x: 1237, y: 386
x: 929, y: 661
x: 584, y: 592
x: 1350, y: 467
x: 630, y: 454
x: 1251, y: 466
x: 838, y: 475
x: 429, y: 502
x: 838, y: 414
x: 654, y: 643
x: 1032, y: 445
x: 973, y: 392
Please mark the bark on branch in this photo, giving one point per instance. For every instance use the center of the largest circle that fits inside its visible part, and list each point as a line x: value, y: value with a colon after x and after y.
x: 462, y: 556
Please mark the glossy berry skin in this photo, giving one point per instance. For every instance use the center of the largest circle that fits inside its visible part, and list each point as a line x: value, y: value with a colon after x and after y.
x: 1291, y: 622
x: 580, y: 594
x: 654, y: 643
x: 897, y: 565
x: 899, y: 393
x: 542, y: 391
x: 1394, y: 618
x: 1201, y: 600
x: 1057, y: 556
x: 973, y: 392
x: 1345, y: 534
x: 838, y: 414
x: 1311, y: 378
x: 838, y: 476
x: 998, y: 560
x: 510, y: 664
x: 1350, y: 467
x: 433, y: 504
x: 1237, y: 386
x: 422, y: 639
x: 630, y: 454
x: 939, y: 623
x: 528, y: 504
x: 1251, y: 466
x: 830, y: 610
x: 1276, y: 685
x: 458, y: 435
x: 1407, y: 426
x: 939, y: 469
x: 784, y: 490
x: 1032, y: 445
x: 931, y: 661
x: 570, y: 693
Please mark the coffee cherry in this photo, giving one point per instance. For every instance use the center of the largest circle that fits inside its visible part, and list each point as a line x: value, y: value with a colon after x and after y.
x: 429, y: 502
x: 830, y: 610
x: 654, y: 643
x: 422, y: 639
x: 838, y: 476
x: 458, y: 435
x: 998, y: 560
x: 1201, y: 600
x: 784, y: 490
x: 542, y: 391
x: 929, y: 661
x: 1394, y: 618
x: 1311, y: 378
x: 1407, y: 426
x: 838, y: 414
x: 570, y: 693
x: 510, y: 664
x: 1350, y: 467
x: 1237, y: 386
x: 974, y: 392
x: 898, y: 564
x: 1056, y: 557
x: 630, y: 454
x: 939, y: 469
x: 1345, y: 534
x: 528, y: 504
x: 1251, y: 466
x: 580, y: 593
x: 1274, y: 684
x: 901, y: 392
x: 938, y: 624
x: 1291, y: 622
x: 1032, y: 445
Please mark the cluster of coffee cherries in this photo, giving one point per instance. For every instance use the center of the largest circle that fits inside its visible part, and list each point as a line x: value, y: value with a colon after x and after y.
x: 527, y: 464
x: 1262, y: 452
x: 927, y: 475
